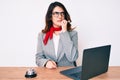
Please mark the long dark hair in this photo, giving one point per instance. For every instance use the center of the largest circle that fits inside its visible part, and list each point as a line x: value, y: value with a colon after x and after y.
x: 48, y: 16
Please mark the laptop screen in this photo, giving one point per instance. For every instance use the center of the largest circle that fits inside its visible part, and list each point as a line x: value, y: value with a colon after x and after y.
x: 95, y: 61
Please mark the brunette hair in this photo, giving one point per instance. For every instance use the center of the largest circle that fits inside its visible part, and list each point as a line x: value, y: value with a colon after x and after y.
x: 48, y: 16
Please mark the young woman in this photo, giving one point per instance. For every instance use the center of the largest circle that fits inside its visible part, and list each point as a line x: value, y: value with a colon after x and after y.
x: 58, y: 42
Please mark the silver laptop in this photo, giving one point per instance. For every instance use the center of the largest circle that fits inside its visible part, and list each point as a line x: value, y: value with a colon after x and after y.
x: 95, y: 62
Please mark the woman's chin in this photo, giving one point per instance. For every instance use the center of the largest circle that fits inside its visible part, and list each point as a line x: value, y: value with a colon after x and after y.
x: 59, y: 25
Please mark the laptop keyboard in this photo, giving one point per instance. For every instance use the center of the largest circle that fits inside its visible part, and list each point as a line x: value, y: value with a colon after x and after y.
x: 76, y: 74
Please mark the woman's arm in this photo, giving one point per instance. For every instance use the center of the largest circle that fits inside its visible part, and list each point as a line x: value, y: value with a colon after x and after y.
x: 70, y: 45
x: 40, y: 57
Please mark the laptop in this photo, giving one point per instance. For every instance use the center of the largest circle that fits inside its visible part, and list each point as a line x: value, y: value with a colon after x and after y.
x: 95, y: 62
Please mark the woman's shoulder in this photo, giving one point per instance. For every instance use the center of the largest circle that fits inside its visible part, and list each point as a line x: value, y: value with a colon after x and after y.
x: 73, y: 32
x: 41, y: 34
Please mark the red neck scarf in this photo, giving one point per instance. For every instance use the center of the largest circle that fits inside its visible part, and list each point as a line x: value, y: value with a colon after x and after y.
x: 49, y: 34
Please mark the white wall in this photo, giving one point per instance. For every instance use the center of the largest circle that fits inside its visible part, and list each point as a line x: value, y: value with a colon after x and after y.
x: 97, y: 23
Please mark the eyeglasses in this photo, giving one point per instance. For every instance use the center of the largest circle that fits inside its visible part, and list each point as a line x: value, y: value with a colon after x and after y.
x: 56, y: 14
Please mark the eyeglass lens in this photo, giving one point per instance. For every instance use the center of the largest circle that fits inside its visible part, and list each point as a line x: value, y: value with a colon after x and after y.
x: 58, y: 13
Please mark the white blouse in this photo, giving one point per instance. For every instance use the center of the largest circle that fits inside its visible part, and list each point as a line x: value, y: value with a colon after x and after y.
x: 56, y: 42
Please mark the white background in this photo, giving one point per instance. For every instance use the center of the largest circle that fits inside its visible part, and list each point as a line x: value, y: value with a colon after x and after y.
x: 97, y: 23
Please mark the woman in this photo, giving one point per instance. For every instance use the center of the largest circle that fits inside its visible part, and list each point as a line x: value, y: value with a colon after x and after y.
x: 58, y: 42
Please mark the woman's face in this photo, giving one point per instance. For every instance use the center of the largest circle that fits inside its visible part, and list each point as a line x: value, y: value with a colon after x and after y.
x: 57, y: 16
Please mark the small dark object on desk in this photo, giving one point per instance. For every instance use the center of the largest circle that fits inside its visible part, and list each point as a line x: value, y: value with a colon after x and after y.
x: 30, y: 73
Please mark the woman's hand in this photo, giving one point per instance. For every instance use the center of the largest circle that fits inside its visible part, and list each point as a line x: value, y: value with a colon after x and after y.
x: 51, y: 64
x: 64, y: 25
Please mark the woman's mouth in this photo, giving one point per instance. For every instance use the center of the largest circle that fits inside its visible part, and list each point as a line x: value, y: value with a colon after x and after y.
x: 59, y: 20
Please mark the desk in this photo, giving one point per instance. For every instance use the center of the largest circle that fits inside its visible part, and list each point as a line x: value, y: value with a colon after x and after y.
x: 112, y: 74
x: 17, y: 73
